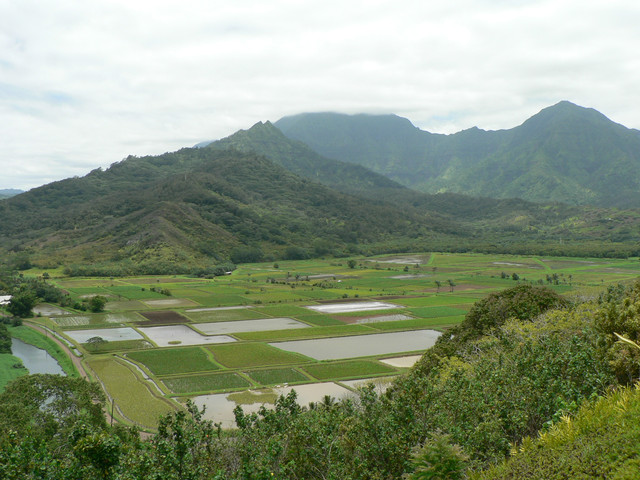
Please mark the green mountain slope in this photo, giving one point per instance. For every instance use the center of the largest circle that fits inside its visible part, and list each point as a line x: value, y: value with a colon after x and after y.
x: 196, y: 203
x: 565, y: 153
x: 298, y: 158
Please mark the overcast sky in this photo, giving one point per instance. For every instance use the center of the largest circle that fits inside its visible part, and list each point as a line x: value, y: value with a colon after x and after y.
x: 85, y: 83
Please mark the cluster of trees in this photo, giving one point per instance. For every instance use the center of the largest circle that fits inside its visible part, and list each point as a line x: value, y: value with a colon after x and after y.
x: 27, y: 291
x: 520, y: 361
x: 5, y: 339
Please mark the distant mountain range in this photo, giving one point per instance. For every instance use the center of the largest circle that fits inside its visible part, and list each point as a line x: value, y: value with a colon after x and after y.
x: 565, y: 153
x: 9, y: 192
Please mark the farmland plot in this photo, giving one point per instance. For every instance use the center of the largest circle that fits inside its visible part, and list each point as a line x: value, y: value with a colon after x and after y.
x: 108, y: 334
x: 352, y: 307
x: 362, y: 345
x: 260, y: 325
x: 172, y: 335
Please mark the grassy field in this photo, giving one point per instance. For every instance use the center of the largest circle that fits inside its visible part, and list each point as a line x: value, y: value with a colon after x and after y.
x: 206, y: 383
x: 173, y: 361
x: 344, y: 370
x: 433, y: 290
x: 133, y: 397
x: 243, y: 355
x: 8, y: 371
x: 277, y: 376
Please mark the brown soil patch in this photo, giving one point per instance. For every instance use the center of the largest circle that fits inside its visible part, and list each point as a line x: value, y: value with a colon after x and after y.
x: 164, y: 317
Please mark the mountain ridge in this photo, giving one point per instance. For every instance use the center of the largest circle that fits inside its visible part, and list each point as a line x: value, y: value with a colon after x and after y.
x: 564, y: 153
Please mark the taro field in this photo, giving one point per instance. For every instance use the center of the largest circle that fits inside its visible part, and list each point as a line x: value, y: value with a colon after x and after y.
x: 316, y: 326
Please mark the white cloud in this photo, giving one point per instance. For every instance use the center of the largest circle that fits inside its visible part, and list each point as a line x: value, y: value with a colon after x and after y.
x: 84, y: 84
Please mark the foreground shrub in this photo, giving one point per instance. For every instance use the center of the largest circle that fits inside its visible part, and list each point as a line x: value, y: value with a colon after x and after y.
x: 601, y: 441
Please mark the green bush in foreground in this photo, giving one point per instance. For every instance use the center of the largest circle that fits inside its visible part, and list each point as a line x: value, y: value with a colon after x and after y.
x: 601, y: 441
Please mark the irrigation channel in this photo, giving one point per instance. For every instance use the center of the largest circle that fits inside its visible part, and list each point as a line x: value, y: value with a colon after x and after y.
x: 35, y: 359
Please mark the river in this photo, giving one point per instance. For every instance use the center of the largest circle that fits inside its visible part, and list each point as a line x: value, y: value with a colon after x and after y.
x: 35, y: 359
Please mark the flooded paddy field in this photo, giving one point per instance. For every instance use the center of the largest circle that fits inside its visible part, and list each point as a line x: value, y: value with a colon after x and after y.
x: 172, y: 335
x: 219, y: 407
x: 259, y: 325
x: 362, y: 345
x: 381, y: 318
x: 352, y: 307
x: 97, y: 319
x: 407, y: 361
x: 47, y: 310
x: 107, y: 334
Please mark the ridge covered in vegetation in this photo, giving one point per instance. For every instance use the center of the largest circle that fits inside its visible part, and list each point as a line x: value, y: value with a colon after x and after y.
x: 565, y: 153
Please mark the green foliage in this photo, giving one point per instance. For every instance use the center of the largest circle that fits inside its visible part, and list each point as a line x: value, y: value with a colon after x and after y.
x: 95, y: 343
x: 438, y: 459
x: 185, y: 445
x: 523, y: 302
x: 601, y: 441
x: 620, y: 315
x: 296, y: 253
x: 48, y: 406
x: 5, y: 339
x: 246, y: 255
x: 97, y: 303
x: 22, y: 303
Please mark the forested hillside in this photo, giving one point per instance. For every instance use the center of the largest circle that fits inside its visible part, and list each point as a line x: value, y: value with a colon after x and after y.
x: 194, y: 204
x: 298, y: 158
x: 565, y: 153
